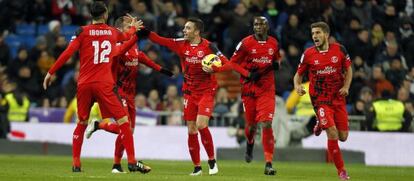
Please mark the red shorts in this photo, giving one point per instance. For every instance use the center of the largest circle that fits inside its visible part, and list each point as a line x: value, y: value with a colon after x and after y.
x: 259, y: 108
x: 332, y: 115
x: 128, y: 103
x: 198, y: 104
x: 106, y: 96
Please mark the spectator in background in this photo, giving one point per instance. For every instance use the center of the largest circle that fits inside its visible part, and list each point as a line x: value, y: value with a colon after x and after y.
x: 139, y: 9
x: 377, y: 36
x: 170, y: 96
x: 59, y: 47
x: 39, y: 12
x: 176, y: 113
x: 223, y: 103
x: 177, y: 80
x: 362, y: 10
x: 340, y: 15
x: 300, y: 105
x: 53, y: 34
x: 239, y: 26
x: 284, y: 75
x: 166, y: 20
x: 148, y: 80
x: 360, y: 77
x: 63, y: 10
x: 388, y: 114
x: 380, y: 83
x: 154, y: 101
x: 388, y: 55
x: 407, y: 39
x: 396, y: 74
x: 219, y: 13
x: 116, y: 9
x: 4, y: 51
x: 18, y: 106
x: 141, y: 103
x: 24, y: 72
x: 40, y: 45
x: 4, y: 122
x: 351, y: 32
x: 362, y: 46
x: 389, y: 18
x: 293, y: 33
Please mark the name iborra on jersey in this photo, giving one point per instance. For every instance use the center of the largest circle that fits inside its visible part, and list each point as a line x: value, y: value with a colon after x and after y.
x: 100, y: 32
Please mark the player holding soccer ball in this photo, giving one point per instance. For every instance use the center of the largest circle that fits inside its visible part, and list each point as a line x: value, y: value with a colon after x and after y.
x: 259, y: 54
x: 199, y: 87
x: 330, y: 74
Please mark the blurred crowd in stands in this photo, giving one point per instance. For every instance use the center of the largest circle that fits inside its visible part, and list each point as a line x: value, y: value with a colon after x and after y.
x: 378, y: 35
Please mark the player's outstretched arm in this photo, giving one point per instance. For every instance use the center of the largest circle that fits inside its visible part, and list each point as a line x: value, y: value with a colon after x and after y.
x: 150, y: 63
x: 122, y: 49
x: 344, y: 91
x: 170, y: 43
x: 297, y: 82
x: 63, y: 58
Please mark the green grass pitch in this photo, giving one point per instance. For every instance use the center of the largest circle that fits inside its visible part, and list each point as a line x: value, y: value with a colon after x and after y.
x: 33, y: 168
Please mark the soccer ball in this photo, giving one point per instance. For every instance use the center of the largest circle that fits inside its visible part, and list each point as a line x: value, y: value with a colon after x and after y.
x: 211, y: 59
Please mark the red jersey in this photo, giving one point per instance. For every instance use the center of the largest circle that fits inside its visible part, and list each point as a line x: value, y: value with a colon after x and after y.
x: 195, y: 79
x: 127, y: 67
x: 254, y: 55
x: 326, y: 73
x: 97, y: 45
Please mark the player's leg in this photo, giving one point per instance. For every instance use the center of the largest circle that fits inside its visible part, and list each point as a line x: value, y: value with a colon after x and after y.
x: 326, y: 121
x: 265, y: 106
x: 341, y: 122
x: 190, y: 116
x: 250, y: 128
x: 205, y: 108
x: 111, y: 106
x: 84, y: 104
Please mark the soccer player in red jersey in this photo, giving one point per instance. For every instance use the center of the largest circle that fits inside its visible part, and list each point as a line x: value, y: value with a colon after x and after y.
x: 125, y: 70
x: 259, y: 54
x: 96, y: 45
x: 199, y: 87
x: 330, y: 74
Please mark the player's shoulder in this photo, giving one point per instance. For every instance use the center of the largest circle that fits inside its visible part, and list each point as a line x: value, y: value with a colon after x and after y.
x: 339, y: 47
x: 272, y: 39
x: 310, y: 50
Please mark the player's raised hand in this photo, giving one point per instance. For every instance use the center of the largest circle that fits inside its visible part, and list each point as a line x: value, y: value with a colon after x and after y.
x: 47, y: 81
x: 208, y: 69
x: 344, y: 91
x: 300, y: 90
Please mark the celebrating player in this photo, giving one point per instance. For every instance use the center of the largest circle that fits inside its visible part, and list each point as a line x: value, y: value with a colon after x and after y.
x: 96, y: 45
x: 126, y: 70
x: 199, y: 87
x: 258, y: 53
x: 330, y: 74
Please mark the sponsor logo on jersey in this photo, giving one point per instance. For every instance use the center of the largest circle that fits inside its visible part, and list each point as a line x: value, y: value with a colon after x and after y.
x: 327, y: 70
x: 187, y: 52
x: 200, y: 54
x: 193, y: 60
x: 100, y: 32
x: 334, y: 59
x: 262, y: 60
x: 271, y: 51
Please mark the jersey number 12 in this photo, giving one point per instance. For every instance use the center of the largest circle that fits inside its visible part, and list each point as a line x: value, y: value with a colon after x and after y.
x: 101, y: 51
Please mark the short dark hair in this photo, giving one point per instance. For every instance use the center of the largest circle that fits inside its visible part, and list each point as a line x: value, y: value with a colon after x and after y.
x: 98, y: 8
x: 198, y: 23
x: 322, y: 25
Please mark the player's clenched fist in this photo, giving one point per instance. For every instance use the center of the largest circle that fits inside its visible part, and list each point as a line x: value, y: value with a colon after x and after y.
x: 343, y: 91
x: 300, y: 90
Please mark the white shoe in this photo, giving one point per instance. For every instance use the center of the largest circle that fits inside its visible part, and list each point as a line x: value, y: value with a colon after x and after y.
x: 197, y: 171
x: 116, y: 171
x: 214, y: 170
x: 92, y: 127
x: 117, y: 168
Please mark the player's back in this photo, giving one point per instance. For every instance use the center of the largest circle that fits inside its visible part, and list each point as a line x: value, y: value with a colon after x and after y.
x: 97, y: 45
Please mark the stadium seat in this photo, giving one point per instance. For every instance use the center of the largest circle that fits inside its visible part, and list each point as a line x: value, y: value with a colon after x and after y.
x: 68, y: 30
x: 25, y: 29
x: 14, y: 42
x: 42, y: 29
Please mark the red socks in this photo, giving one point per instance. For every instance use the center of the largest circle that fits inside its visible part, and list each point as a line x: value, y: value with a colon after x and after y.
x: 336, y: 154
x: 109, y: 126
x: 268, y: 142
x: 119, y: 150
x: 207, y: 141
x: 194, y: 148
x: 77, y: 141
x: 128, y: 141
